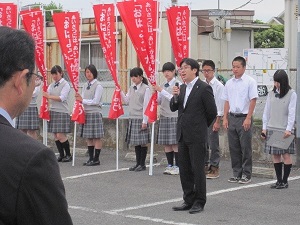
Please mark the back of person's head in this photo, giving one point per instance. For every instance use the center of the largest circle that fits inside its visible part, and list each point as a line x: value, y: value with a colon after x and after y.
x: 282, y: 78
x: 138, y: 72
x: 168, y: 66
x: 93, y: 70
x: 16, y: 53
x: 240, y: 59
x: 57, y: 69
x: 209, y: 63
x: 193, y: 63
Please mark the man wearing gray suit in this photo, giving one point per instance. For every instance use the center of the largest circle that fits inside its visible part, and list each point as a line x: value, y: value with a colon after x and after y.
x: 32, y: 191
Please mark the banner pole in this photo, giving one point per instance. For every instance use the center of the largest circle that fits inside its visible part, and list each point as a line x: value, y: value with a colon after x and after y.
x: 74, y: 143
x: 117, y: 74
x: 151, y: 150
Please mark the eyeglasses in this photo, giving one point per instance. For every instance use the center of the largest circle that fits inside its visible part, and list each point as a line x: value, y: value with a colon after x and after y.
x: 37, y: 75
x: 184, y: 68
x: 206, y: 71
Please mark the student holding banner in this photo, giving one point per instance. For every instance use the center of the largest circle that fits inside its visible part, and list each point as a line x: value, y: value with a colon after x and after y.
x: 92, y: 129
x: 279, y: 115
x: 29, y: 121
x: 59, y: 124
x: 168, y: 119
x: 138, y: 132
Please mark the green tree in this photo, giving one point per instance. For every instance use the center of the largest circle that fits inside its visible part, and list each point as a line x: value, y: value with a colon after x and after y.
x: 270, y: 38
x: 51, y: 7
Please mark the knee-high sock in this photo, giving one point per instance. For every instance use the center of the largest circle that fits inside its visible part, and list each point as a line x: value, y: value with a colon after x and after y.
x: 60, y: 148
x: 97, y: 154
x: 176, y: 158
x: 137, y: 154
x: 278, y: 171
x: 286, y: 172
x: 143, y: 155
x: 91, y: 152
x: 66, y: 146
x: 170, y: 158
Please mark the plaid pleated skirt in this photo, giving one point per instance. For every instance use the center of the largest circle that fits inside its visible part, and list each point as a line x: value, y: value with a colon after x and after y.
x: 59, y: 122
x: 135, y: 135
x: 93, y: 127
x: 28, y: 120
x: 167, y: 131
x: 278, y: 151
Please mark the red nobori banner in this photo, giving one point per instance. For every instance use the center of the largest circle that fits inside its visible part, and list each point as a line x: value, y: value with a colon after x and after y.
x: 140, y: 17
x: 8, y: 15
x: 33, y: 22
x: 67, y: 29
x: 105, y: 21
x: 179, y: 28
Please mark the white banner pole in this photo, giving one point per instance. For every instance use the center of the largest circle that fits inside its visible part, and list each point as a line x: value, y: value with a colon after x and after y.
x: 74, y: 143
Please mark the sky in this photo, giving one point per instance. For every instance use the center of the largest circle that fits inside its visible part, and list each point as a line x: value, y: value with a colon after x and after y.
x: 264, y: 9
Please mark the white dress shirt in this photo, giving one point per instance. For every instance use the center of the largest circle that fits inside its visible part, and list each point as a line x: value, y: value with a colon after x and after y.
x: 189, y: 87
x: 218, y: 88
x: 97, y: 97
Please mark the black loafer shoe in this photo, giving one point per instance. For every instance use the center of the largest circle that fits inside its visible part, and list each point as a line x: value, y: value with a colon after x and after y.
x: 93, y: 163
x: 183, y: 207
x: 68, y: 158
x: 59, y: 158
x: 133, y: 168
x: 196, y: 208
x: 85, y: 163
x: 273, y: 186
x: 140, y: 168
x: 282, y: 186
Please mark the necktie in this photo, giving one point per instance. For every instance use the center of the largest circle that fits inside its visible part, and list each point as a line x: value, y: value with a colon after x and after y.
x: 89, y: 86
x: 167, y: 85
x: 56, y: 84
x: 135, y: 88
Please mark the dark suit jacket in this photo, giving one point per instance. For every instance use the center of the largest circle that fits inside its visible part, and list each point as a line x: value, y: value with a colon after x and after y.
x: 32, y: 191
x: 198, y: 114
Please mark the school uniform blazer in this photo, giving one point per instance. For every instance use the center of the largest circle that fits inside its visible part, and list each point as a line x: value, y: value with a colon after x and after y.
x: 199, y: 112
x: 32, y: 191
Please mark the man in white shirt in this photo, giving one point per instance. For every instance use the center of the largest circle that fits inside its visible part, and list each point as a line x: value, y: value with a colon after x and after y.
x: 212, y: 161
x: 240, y: 96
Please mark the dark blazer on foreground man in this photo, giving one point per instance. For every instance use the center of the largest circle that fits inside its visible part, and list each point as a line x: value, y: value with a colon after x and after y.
x: 196, y: 111
x: 31, y: 188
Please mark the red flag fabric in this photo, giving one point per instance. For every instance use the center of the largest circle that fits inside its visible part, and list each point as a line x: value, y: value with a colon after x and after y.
x: 105, y: 21
x: 116, y: 108
x: 151, y: 108
x: 67, y: 29
x: 33, y: 22
x: 179, y: 29
x: 140, y: 17
x: 8, y: 15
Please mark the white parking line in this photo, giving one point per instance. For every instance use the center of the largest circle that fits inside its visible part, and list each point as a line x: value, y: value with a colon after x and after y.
x: 120, y: 212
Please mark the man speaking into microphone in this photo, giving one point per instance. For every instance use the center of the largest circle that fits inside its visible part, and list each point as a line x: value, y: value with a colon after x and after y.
x: 196, y: 111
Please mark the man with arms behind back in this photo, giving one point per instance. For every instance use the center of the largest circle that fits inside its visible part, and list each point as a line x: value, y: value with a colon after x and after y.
x: 32, y: 191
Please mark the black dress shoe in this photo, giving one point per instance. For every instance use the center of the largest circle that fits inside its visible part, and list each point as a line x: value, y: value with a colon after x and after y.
x: 68, y: 158
x: 133, y: 168
x: 140, y: 168
x: 59, y: 158
x: 282, y: 186
x: 183, y: 207
x: 196, y: 208
x: 93, y: 163
x: 87, y: 162
x: 273, y: 186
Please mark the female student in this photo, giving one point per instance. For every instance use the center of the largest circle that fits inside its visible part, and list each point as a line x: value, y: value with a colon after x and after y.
x: 138, y: 133
x: 168, y: 119
x: 92, y: 129
x: 279, y: 115
x: 59, y: 124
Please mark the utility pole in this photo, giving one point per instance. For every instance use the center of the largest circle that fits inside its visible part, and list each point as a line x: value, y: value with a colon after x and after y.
x: 298, y: 91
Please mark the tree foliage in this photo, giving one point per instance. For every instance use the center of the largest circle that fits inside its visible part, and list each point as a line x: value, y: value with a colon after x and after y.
x: 269, y: 38
x: 49, y: 8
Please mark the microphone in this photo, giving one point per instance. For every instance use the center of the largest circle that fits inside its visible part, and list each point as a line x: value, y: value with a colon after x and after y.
x: 176, y: 96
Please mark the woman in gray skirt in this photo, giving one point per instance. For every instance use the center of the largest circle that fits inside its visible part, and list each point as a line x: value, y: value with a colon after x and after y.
x: 168, y: 119
x: 59, y: 124
x: 28, y: 121
x: 138, y: 133
x: 279, y: 115
x: 92, y: 129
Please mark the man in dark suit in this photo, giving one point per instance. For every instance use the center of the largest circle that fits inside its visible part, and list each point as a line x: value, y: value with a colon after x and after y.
x: 32, y: 191
x: 196, y: 111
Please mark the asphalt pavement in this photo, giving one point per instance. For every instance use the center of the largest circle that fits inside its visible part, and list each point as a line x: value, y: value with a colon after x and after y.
x: 104, y: 195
